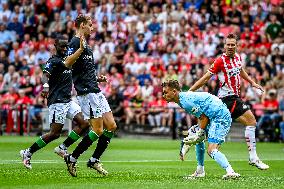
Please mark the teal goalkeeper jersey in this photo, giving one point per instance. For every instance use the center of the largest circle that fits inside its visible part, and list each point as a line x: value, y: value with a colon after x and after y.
x: 197, y: 103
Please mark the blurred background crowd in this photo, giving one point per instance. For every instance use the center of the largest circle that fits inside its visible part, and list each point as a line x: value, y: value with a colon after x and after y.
x: 138, y: 44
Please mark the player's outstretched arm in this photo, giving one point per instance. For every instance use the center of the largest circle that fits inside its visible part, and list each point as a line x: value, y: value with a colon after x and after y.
x: 246, y: 77
x: 202, y: 81
x: 70, y: 60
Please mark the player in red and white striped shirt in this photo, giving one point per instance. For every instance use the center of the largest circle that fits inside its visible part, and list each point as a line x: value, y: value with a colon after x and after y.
x: 228, y: 68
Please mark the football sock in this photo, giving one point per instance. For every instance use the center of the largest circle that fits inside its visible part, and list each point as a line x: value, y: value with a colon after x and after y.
x: 200, y: 169
x: 200, y: 153
x: 251, y: 143
x: 102, y: 145
x: 40, y: 143
x: 220, y: 158
x: 72, y: 137
x: 85, y: 143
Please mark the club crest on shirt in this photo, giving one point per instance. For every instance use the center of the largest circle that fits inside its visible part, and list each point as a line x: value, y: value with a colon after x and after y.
x: 70, y: 51
x: 47, y: 65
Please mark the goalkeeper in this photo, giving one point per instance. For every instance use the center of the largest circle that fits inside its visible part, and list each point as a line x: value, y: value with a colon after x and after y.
x: 213, y: 117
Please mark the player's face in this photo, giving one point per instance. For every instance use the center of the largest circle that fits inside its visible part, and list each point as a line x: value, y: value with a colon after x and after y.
x: 168, y: 94
x: 61, y: 47
x: 88, y: 28
x: 230, y: 47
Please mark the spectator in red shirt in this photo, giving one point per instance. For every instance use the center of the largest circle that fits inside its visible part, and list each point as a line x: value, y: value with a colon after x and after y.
x: 23, y: 98
x: 268, y: 122
x: 131, y: 89
x: 9, y: 99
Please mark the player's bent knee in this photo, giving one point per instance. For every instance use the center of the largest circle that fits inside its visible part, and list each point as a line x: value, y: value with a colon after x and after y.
x: 98, y: 131
x: 112, y: 127
x: 84, y: 124
x: 211, y: 148
x: 109, y: 122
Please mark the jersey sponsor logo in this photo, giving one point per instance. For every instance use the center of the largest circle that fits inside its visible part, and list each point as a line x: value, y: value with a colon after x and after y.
x: 70, y: 51
x: 234, y: 72
x: 67, y: 71
x: 87, y: 57
x: 194, y: 110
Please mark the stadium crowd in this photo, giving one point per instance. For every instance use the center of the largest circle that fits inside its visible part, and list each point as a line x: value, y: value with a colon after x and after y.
x: 139, y: 44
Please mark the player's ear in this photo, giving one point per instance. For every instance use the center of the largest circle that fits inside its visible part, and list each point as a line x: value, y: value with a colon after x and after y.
x: 82, y: 25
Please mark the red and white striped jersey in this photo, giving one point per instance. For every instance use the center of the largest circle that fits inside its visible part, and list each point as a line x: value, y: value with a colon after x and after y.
x: 228, y: 71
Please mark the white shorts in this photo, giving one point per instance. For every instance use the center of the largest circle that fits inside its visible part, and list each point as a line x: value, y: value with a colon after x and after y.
x: 93, y: 105
x: 58, y: 112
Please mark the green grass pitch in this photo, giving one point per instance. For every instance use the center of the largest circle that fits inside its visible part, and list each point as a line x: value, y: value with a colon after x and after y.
x: 138, y: 163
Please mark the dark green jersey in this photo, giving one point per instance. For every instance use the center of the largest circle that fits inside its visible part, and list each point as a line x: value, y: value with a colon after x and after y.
x: 84, y: 70
x: 60, y: 80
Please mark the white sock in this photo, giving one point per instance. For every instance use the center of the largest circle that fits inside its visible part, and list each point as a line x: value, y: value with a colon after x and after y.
x: 72, y: 159
x: 251, y: 143
x: 93, y: 159
x: 200, y: 169
x: 62, y: 146
x: 229, y: 169
x: 28, y: 152
x: 221, y: 159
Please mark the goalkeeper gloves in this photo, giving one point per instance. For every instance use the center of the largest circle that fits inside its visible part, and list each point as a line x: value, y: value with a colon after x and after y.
x: 184, y: 148
x: 195, y: 139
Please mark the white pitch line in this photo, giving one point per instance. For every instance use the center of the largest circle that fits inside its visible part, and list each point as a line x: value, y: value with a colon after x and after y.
x: 126, y: 161
x: 58, y: 161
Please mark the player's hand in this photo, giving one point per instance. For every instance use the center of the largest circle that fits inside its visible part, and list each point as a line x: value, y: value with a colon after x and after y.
x: 195, y: 139
x: 44, y: 92
x: 258, y: 87
x: 184, y: 148
x: 102, y: 78
x: 83, y: 43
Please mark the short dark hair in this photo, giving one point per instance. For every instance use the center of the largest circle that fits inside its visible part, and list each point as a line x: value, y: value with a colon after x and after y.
x: 232, y: 36
x: 59, y: 37
x: 81, y: 19
x: 174, y: 84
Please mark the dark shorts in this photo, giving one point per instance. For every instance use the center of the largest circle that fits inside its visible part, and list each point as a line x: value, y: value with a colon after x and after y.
x: 236, y: 106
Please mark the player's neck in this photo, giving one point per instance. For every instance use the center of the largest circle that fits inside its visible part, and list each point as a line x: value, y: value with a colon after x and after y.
x: 79, y: 33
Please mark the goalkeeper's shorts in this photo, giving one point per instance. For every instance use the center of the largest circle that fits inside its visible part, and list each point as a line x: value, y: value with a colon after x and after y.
x: 219, y: 128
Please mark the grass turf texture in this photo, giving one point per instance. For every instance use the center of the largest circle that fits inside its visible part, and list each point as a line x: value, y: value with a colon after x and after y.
x: 137, y: 163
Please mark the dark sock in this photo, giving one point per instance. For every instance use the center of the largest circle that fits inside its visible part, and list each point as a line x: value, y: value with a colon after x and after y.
x: 72, y: 137
x: 101, y: 147
x: 85, y: 143
x: 40, y: 143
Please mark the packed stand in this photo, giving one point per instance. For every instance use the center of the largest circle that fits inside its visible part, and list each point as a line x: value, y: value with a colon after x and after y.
x: 139, y: 44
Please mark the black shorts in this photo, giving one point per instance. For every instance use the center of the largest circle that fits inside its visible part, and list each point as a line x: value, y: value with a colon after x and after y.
x: 236, y: 106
